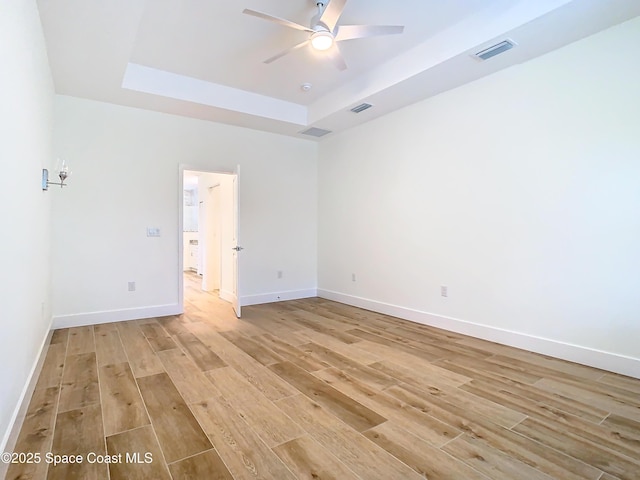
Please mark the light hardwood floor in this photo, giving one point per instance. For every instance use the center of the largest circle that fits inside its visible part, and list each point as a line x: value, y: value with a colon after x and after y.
x: 313, y: 389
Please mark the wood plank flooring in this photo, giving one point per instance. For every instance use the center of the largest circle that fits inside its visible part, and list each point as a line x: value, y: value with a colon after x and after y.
x: 312, y: 389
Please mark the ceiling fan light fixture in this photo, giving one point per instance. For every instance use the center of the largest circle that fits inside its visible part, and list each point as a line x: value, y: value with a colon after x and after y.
x: 321, y: 40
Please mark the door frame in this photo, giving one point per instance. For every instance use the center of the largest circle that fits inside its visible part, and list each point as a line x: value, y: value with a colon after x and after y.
x: 180, y: 273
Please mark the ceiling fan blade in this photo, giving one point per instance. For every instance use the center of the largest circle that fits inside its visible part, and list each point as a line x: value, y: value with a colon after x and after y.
x: 350, y: 32
x: 336, y: 57
x: 287, y: 51
x: 332, y: 13
x: 280, y: 21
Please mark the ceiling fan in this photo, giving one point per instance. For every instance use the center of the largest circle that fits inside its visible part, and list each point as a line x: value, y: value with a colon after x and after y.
x: 324, y: 31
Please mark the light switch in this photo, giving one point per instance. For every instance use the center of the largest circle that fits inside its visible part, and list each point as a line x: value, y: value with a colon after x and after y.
x: 153, y: 232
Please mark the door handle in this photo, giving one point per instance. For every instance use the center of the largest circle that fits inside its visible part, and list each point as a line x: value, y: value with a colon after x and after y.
x: 237, y: 248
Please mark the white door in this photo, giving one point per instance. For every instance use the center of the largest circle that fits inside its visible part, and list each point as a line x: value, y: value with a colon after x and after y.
x: 201, y: 237
x: 211, y: 246
x: 236, y: 245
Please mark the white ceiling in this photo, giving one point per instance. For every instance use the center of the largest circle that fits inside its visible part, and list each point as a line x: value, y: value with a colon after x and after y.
x: 204, y: 58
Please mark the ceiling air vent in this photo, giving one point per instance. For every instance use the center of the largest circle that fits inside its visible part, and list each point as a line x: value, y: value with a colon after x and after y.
x: 361, y: 108
x: 315, y: 132
x: 496, y: 49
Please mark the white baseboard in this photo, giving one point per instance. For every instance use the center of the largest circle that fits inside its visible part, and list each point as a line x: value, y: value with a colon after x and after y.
x: 609, y: 361
x: 15, y: 424
x: 94, y: 318
x: 278, y: 296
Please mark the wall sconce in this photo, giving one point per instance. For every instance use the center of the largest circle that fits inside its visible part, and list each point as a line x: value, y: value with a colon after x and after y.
x: 63, y: 172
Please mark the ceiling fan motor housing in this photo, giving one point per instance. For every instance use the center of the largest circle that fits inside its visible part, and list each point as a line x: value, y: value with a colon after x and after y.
x: 322, y: 38
x: 316, y: 24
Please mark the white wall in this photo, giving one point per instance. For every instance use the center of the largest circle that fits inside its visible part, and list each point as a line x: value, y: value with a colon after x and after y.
x: 125, y: 164
x: 520, y: 192
x: 26, y: 109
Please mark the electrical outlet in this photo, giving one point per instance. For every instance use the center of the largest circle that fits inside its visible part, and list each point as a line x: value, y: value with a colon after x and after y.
x: 353, y: 277
x: 444, y: 291
x: 279, y: 273
x: 131, y: 286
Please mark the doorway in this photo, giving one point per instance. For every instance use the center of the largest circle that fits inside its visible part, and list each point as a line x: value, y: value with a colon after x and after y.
x: 209, y: 247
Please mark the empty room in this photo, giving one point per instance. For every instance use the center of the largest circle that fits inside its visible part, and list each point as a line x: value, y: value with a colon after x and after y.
x: 339, y: 239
